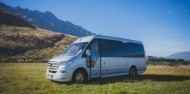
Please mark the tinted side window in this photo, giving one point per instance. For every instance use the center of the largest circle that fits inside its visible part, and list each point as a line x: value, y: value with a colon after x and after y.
x: 111, y: 48
x: 108, y: 48
x: 133, y: 50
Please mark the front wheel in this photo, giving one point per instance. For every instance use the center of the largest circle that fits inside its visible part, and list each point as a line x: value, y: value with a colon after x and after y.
x: 79, y: 77
x: 133, y: 72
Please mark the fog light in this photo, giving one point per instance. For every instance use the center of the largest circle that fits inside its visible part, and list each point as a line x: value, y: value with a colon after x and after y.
x: 63, y: 71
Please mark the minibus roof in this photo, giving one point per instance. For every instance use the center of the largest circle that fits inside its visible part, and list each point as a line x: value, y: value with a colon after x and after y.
x: 91, y: 37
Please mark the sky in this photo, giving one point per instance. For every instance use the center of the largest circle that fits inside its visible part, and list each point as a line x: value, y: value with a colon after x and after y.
x: 162, y: 25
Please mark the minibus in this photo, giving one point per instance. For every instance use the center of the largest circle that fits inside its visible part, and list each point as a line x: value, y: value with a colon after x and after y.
x: 97, y: 56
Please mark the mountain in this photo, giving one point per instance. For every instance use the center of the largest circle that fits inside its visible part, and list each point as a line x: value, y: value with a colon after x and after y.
x: 181, y: 55
x: 47, y: 20
x: 22, y: 42
x: 10, y: 19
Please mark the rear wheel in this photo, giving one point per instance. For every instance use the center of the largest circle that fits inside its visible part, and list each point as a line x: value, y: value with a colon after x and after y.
x: 79, y: 77
x: 133, y: 72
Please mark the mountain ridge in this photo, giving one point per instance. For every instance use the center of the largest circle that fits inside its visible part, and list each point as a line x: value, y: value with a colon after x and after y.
x: 180, y: 55
x: 10, y: 19
x: 47, y: 20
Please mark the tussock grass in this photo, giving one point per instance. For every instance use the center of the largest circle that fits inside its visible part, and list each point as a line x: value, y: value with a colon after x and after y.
x: 22, y: 44
x: 16, y: 78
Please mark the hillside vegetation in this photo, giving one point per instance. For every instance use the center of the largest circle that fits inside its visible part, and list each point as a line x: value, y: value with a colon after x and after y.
x: 23, y: 44
x: 30, y: 78
x: 166, y: 61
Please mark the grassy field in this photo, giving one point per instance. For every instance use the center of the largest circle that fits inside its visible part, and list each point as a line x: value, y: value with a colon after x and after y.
x: 30, y: 78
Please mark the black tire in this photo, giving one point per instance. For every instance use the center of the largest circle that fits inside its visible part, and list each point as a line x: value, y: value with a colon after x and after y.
x: 79, y: 77
x: 133, y: 72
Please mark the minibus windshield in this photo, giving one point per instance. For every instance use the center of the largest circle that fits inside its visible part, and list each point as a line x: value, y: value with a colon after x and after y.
x: 75, y: 48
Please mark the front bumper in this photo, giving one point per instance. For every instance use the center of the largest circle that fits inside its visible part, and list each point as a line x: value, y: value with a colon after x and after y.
x: 65, y: 77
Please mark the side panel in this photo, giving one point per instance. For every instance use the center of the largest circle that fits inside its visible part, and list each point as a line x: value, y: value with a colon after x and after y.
x: 141, y: 65
x: 127, y: 62
x: 110, y: 65
x: 113, y: 66
x: 119, y: 56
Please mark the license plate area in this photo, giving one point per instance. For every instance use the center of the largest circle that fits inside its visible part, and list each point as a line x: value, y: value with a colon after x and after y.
x: 50, y: 75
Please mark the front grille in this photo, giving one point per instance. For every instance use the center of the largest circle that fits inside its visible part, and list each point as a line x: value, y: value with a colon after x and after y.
x: 53, y: 65
x: 52, y: 71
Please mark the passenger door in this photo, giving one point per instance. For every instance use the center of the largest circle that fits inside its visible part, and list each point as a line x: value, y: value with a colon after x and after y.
x: 95, y: 59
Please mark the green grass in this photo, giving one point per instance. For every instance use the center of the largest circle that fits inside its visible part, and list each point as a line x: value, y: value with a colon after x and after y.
x: 16, y: 78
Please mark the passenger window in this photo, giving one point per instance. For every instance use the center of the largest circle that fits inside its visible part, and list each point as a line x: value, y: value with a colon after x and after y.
x: 94, y: 51
x: 112, y: 48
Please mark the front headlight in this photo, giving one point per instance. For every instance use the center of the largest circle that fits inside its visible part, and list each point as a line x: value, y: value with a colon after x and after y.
x: 65, y: 62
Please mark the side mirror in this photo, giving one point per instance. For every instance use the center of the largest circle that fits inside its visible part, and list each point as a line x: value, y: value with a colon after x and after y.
x: 88, y: 53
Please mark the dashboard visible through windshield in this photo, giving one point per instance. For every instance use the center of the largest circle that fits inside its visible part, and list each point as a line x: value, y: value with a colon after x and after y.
x: 75, y: 48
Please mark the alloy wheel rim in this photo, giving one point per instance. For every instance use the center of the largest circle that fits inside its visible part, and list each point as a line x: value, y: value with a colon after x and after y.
x: 79, y: 78
x: 132, y: 72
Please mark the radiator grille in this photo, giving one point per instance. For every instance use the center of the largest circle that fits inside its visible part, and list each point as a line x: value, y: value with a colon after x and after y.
x: 53, y: 65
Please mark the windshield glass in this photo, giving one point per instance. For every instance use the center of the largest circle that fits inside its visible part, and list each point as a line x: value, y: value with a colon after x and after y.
x: 75, y: 48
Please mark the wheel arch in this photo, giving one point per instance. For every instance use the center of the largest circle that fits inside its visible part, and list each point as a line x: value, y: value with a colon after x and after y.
x: 81, y: 69
x: 133, y: 66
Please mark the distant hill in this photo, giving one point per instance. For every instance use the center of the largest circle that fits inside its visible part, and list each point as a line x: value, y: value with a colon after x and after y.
x: 47, y: 21
x: 181, y: 55
x: 10, y: 19
x: 22, y: 42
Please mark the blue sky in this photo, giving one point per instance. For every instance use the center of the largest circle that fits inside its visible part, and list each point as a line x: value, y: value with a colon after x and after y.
x: 162, y: 25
